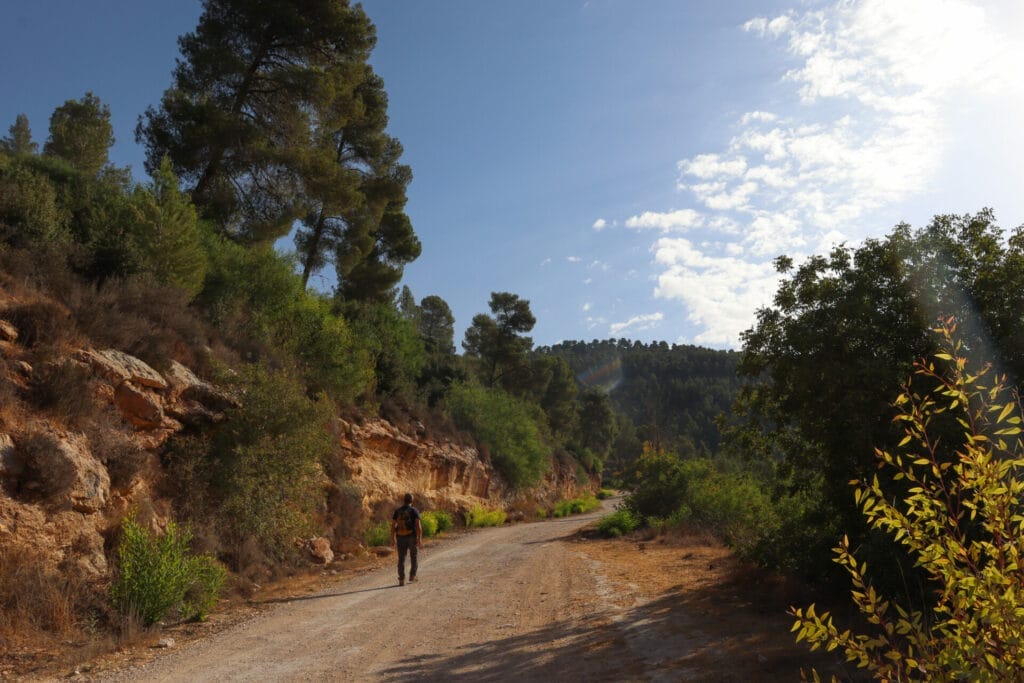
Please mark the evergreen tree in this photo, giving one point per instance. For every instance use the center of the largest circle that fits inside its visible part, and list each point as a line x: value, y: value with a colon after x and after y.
x: 81, y: 134
x: 168, y: 232
x: 355, y: 191
x: 498, y: 342
x: 437, y: 325
x: 19, y: 141
x: 237, y: 122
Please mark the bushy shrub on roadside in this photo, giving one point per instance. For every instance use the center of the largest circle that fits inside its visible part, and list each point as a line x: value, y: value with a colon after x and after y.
x: 435, y: 522
x: 480, y: 517
x: 604, y: 494
x: 506, y: 426
x: 377, y: 534
x: 428, y: 524
x: 731, y: 503
x: 619, y: 523
x: 157, y: 575
x: 265, y: 461
x: 576, y: 506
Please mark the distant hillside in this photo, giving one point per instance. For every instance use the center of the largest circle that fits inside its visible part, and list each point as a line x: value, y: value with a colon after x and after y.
x: 671, y: 393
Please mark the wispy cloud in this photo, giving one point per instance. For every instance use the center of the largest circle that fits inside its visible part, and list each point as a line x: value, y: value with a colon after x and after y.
x: 666, y: 222
x: 867, y: 127
x: 573, y: 259
x: 637, y: 322
x: 600, y: 224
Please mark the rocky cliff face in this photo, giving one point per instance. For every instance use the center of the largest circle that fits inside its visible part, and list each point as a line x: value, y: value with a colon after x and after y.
x: 64, y: 492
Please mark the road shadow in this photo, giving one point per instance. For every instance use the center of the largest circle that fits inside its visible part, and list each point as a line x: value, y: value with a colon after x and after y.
x: 321, y: 596
x: 672, y: 638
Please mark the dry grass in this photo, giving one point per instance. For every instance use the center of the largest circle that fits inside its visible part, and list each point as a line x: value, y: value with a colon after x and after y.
x: 37, y: 599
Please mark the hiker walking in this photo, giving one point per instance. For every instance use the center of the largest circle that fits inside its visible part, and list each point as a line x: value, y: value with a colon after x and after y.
x: 407, y: 534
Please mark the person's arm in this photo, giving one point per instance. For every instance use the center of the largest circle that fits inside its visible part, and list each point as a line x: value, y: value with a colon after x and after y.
x: 394, y: 530
x: 419, y: 533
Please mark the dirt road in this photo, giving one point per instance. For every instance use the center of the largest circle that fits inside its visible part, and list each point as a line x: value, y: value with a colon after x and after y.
x: 525, y: 602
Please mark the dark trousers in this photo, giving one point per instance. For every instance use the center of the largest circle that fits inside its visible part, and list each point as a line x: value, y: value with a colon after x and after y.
x: 406, y: 544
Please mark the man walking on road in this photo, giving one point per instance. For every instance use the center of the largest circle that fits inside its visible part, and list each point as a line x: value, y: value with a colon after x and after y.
x: 407, y: 534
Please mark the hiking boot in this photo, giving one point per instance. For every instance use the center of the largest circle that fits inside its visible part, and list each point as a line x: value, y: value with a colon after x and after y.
x: 401, y: 581
x: 411, y: 579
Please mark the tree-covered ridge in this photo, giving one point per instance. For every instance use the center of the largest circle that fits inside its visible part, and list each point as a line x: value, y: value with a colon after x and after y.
x: 672, y: 394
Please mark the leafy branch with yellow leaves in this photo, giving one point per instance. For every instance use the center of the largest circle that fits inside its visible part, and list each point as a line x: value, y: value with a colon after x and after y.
x: 962, y: 520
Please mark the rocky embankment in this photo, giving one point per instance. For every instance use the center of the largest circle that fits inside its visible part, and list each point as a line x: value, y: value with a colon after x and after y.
x: 65, y: 486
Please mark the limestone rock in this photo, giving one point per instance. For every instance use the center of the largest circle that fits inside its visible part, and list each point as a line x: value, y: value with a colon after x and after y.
x: 349, y: 546
x: 11, y: 466
x: 185, y: 386
x: 117, y: 367
x: 65, y: 471
x: 142, y: 408
x: 7, y: 331
x: 319, y: 549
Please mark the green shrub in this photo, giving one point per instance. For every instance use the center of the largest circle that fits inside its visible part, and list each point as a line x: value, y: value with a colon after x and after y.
x: 507, y: 426
x: 575, y: 506
x: 618, y: 523
x: 960, y: 518
x: 265, y: 461
x: 429, y: 524
x: 158, y: 574
x: 658, y: 484
x: 604, y: 494
x: 435, y: 522
x: 378, y: 534
x: 479, y: 517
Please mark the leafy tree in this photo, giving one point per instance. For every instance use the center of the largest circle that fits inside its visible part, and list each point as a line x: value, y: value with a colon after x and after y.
x: 237, y: 121
x: 597, y: 426
x: 507, y: 427
x: 437, y: 325
x: 169, y: 233
x: 355, y: 191
x: 497, y: 342
x: 30, y: 211
x: 19, y: 140
x: 840, y: 339
x: 81, y: 133
x: 959, y: 517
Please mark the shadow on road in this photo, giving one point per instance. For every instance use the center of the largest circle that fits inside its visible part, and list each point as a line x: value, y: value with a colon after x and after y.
x: 672, y: 638
x: 320, y: 596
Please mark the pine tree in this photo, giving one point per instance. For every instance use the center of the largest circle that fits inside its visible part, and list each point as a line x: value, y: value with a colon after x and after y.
x: 237, y: 121
x: 81, y: 134
x: 19, y: 141
x: 168, y: 232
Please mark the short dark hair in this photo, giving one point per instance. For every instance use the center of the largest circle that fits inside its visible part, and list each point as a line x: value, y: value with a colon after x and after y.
x: 408, y: 498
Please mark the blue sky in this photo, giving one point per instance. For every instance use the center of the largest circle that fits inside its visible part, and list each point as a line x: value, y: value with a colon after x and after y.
x: 630, y: 168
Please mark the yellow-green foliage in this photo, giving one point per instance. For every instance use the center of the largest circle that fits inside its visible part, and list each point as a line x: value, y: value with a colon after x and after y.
x: 435, y: 522
x: 481, y: 517
x: 604, y: 494
x: 378, y: 534
x: 618, y: 523
x: 157, y: 575
x: 962, y: 518
x: 576, y: 506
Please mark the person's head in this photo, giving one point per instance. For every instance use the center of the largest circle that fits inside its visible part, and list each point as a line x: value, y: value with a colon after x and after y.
x: 408, y: 499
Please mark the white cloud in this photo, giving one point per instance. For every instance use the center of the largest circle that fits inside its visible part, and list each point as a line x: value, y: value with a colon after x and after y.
x: 673, y: 220
x: 720, y: 292
x: 546, y: 262
x: 587, y: 306
x: 573, y: 259
x: 637, y: 322
x: 872, y: 84
x: 706, y: 166
x: 600, y: 224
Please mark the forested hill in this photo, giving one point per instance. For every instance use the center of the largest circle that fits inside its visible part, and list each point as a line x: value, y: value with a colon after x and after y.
x: 671, y: 393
